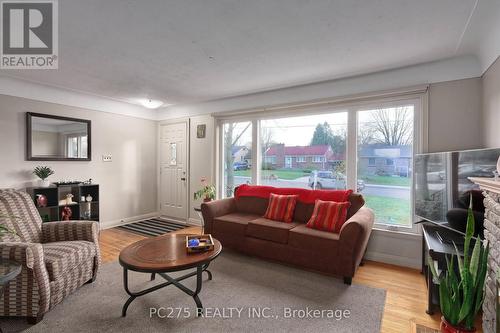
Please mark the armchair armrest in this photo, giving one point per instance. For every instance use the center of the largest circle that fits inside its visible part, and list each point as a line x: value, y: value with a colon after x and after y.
x: 213, y: 209
x: 354, y: 236
x: 34, y: 298
x: 70, y: 231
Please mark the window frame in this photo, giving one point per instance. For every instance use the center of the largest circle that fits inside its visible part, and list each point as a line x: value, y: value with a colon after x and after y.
x: 418, y: 98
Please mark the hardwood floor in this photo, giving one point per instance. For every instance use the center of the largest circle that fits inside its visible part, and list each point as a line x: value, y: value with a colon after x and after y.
x: 406, y: 289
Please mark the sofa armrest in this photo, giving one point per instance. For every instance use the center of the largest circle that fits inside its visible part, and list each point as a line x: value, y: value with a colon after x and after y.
x: 34, y: 298
x: 354, y: 236
x: 211, y: 210
x: 70, y: 231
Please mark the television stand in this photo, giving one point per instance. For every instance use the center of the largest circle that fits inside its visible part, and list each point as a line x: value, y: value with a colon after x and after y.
x: 437, y: 250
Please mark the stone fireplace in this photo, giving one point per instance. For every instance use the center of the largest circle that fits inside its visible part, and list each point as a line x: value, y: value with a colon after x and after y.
x: 491, y: 190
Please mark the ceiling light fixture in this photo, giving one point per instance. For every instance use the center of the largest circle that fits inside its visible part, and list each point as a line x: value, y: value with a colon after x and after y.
x: 151, y: 103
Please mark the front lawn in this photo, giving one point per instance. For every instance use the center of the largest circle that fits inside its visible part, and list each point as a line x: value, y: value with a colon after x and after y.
x: 389, y: 210
x: 386, y: 180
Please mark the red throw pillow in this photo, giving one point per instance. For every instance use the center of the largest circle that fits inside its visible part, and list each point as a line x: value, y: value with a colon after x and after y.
x: 281, y: 207
x: 328, y: 215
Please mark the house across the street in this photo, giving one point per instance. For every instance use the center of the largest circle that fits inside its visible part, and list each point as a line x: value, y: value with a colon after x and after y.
x: 320, y: 157
x: 380, y: 159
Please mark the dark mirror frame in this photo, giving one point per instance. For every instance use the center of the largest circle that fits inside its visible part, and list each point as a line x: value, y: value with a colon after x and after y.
x: 30, y: 157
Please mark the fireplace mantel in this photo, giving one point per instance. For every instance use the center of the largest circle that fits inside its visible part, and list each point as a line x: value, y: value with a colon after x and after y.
x: 488, y: 184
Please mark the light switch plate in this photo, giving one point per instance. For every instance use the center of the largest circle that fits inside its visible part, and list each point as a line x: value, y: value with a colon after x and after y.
x: 107, y: 158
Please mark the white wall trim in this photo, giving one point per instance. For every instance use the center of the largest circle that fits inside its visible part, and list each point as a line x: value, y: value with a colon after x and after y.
x: 45, y: 93
x: 127, y: 220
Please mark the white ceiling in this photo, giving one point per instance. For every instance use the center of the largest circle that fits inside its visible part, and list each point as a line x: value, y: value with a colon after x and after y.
x: 185, y: 51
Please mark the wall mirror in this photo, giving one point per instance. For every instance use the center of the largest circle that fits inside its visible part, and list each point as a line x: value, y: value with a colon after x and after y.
x: 54, y: 138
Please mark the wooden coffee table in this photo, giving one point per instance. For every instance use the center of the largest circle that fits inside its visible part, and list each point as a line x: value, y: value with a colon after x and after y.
x: 163, y: 254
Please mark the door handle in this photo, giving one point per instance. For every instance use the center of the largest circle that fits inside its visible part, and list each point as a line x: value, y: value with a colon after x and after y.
x: 183, y: 178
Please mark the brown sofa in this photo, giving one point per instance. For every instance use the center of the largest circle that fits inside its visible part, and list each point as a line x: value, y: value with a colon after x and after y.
x: 238, y: 224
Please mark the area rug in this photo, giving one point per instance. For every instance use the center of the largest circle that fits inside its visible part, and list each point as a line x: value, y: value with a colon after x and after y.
x: 245, y: 295
x: 153, y: 227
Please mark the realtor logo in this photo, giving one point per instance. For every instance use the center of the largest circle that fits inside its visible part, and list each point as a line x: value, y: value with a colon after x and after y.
x: 29, y: 35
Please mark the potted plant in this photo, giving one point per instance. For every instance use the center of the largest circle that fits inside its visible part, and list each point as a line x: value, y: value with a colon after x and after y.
x: 207, y: 192
x: 461, y: 295
x: 43, y: 172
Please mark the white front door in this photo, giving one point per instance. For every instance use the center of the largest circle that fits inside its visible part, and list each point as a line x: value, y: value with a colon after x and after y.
x: 173, y: 167
x: 288, y: 162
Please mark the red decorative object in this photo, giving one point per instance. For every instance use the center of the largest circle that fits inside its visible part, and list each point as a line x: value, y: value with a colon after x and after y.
x: 281, y: 207
x: 66, y: 213
x: 446, y: 327
x: 328, y: 215
x: 305, y: 195
x: 41, y: 200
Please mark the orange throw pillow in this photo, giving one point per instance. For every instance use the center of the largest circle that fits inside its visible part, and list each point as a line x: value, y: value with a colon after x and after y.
x: 281, y: 207
x: 328, y: 215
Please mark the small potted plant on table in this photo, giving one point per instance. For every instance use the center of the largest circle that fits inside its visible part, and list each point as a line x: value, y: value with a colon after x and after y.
x: 43, y: 172
x: 207, y: 192
x: 461, y: 295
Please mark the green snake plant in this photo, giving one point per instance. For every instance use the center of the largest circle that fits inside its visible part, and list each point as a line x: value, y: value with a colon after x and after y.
x: 461, y: 295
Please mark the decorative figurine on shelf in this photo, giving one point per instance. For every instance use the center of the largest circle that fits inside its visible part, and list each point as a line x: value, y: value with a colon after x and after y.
x: 41, y: 200
x: 68, y: 200
x: 207, y: 191
x: 66, y: 213
x: 88, y: 198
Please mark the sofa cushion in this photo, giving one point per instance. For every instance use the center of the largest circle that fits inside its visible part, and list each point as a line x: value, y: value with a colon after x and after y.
x: 252, y: 205
x: 270, y: 230
x: 63, y: 256
x: 234, y: 223
x: 357, y: 202
x: 281, y: 207
x: 313, y: 240
x: 328, y: 215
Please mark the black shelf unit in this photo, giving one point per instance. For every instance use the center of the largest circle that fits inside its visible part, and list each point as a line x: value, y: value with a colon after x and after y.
x: 54, y: 194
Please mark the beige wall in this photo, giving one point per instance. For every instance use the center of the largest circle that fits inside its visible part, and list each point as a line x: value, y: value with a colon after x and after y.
x: 202, y: 159
x: 455, y: 115
x: 128, y: 184
x: 491, y: 106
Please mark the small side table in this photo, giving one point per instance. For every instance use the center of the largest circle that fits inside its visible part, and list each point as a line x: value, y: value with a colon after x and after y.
x: 198, y: 210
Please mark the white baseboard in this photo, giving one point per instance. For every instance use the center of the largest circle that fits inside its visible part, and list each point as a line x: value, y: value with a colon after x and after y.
x: 394, y: 259
x: 193, y: 221
x: 127, y: 220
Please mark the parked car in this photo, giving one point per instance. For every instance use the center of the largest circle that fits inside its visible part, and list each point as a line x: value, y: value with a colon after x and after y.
x: 240, y: 166
x: 329, y: 181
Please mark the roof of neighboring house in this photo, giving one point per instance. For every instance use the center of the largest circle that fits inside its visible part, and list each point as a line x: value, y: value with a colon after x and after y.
x: 386, y: 151
x: 235, y: 149
x: 299, y: 150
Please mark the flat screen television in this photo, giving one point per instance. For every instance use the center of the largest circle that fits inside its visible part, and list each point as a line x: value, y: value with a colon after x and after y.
x: 442, y: 187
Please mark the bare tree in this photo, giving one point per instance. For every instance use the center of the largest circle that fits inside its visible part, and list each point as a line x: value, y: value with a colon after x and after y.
x: 229, y: 142
x: 392, y: 127
x: 266, y: 139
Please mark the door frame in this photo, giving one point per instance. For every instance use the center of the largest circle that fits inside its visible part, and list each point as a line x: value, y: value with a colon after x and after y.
x: 186, y: 121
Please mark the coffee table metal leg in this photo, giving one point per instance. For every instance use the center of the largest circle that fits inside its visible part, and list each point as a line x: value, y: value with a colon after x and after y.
x: 205, y: 269
x: 131, y: 298
x: 199, y: 281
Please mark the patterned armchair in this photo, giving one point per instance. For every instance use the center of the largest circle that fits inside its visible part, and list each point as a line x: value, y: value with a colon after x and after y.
x: 56, y: 257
